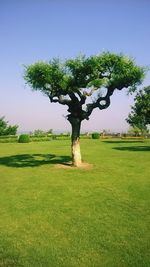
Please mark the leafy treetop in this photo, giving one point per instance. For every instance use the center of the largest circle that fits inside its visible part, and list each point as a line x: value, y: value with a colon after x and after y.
x: 140, y: 112
x: 73, y: 82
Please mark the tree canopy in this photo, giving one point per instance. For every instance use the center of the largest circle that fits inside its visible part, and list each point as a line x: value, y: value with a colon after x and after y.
x: 6, y: 129
x: 84, y: 83
x: 140, y: 112
x: 75, y: 80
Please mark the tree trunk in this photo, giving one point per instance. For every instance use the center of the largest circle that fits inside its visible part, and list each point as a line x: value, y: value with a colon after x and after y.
x: 75, y: 138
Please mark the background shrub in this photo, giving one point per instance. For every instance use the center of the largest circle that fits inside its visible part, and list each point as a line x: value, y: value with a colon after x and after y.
x: 24, y: 138
x: 34, y: 138
x: 95, y: 135
x: 8, y: 139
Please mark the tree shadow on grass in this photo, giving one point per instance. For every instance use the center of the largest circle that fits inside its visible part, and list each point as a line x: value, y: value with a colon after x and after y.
x: 33, y: 160
x: 123, y: 141
x: 133, y: 148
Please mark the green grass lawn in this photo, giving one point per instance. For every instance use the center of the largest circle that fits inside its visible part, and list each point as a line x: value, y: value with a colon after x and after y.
x: 75, y: 217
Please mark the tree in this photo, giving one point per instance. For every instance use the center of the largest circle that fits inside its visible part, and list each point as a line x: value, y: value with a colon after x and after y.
x: 140, y: 112
x: 83, y: 84
x: 50, y: 132
x: 135, y: 131
x: 6, y: 129
x: 39, y: 132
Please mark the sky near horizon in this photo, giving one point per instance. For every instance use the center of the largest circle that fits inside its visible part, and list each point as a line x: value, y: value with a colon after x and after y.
x: 33, y: 30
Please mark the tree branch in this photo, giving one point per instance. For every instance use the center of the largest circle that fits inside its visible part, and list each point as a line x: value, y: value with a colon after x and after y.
x: 98, y: 104
x: 60, y: 99
x: 73, y: 97
x: 82, y: 97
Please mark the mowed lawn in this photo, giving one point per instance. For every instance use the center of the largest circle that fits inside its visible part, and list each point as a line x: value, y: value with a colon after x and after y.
x: 52, y: 216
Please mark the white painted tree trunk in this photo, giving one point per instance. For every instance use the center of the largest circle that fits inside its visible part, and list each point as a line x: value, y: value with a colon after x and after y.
x: 76, y: 153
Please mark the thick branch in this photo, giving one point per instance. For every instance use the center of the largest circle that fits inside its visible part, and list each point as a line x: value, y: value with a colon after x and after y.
x: 73, y: 97
x: 82, y: 97
x: 59, y: 99
x: 101, y: 103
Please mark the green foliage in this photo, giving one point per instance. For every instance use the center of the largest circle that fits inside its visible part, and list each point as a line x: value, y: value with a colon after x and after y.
x: 119, y: 71
x: 95, y: 135
x: 61, y: 137
x: 135, y: 131
x: 46, y: 77
x: 6, y: 129
x: 140, y: 112
x: 8, y: 139
x: 85, y: 136
x: 50, y: 132
x: 24, y: 138
x: 39, y: 133
x: 37, y: 138
x: 57, y: 78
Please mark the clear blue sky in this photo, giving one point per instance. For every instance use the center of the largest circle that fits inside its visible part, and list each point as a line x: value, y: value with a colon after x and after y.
x: 32, y: 30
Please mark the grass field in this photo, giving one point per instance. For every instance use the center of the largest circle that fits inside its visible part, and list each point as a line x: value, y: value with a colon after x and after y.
x: 67, y: 217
